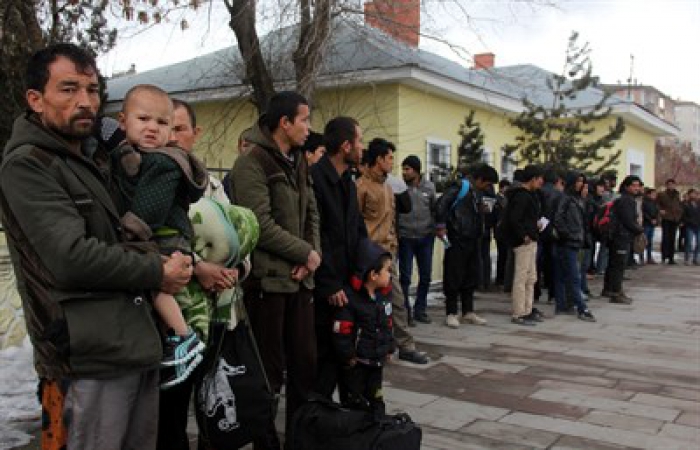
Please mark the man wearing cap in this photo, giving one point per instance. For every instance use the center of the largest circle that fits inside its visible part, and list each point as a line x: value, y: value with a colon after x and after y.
x: 417, y: 236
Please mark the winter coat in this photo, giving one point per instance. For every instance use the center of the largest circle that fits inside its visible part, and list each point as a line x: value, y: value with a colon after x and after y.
x: 378, y: 208
x: 82, y: 294
x: 691, y: 214
x: 569, y: 222
x: 363, y: 328
x: 420, y: 221
x: 669, y: 202
x: 625, y: 222
x: 463, y: 221
x: 341, y: 227
x: 521, y: 216
x: 650, y: 211
x: 279, y: 192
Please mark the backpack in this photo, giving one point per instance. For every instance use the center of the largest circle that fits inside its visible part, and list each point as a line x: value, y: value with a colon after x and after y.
x: 322, y: 424
x: 233, y: 400
x: 603, y: 222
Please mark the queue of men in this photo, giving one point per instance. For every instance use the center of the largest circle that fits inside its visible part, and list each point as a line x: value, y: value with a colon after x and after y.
x: 97, y: 347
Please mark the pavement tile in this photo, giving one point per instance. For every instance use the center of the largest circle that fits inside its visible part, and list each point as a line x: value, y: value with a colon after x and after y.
x: 447, y: 440
x: 570, y: 376
x: 682, y: 432
x: 690, y: 419
x: 685, y: 394
x: 594, y: 391
x: 482, y: 364
x: 638, y: 386
x: 457, y: 407
x: 511, y: 433
x: 576, y: 443
x: 657, y: 377
x: 619, y: 406
x: 663, y: 401
x: 405, y: 397
x: 638, y: 359
x: 623, y: 421
x: 604, y: 434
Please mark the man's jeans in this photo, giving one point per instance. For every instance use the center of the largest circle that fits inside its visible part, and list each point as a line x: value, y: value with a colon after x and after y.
x: 649, y: 233
x: 692, y: 234
x: 603, y: 256
x: 567, y: 278
x: 422, y: 250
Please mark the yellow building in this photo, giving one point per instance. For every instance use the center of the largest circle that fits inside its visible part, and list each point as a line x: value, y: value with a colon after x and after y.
x: 414, y: 98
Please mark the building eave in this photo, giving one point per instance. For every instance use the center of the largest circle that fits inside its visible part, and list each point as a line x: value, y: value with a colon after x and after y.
x: 643, y: 119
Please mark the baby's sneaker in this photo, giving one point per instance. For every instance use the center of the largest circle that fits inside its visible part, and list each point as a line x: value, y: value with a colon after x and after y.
x: 181, y: 349
x: 172, y: 375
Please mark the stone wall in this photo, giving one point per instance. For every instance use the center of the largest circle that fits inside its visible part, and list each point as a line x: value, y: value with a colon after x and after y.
x: 12, y: 328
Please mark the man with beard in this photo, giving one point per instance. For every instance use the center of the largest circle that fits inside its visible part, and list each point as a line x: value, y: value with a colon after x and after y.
x: 96, y: 346
x: 341, y: 228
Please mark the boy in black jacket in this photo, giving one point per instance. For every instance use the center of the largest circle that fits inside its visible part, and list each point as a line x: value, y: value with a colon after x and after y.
x: 362, y: 330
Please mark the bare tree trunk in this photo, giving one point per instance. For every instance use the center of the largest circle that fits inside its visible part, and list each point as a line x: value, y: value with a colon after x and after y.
x: 257, y: 74
x: 314, y: 35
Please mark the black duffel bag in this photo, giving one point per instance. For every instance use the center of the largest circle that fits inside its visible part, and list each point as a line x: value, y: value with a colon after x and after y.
x: 321, y: 424
x: 233, y: 400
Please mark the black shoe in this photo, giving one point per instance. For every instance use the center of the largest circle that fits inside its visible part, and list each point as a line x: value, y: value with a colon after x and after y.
x: 586, y: 316
x: 619, y: 299
x: 523, y: 320
x: 534, y: 317
x: 413, y: 356
x: 422, y: 318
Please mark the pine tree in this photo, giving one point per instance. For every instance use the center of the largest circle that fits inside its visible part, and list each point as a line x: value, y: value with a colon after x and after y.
x: 560, y: 135
x: 471, y: 148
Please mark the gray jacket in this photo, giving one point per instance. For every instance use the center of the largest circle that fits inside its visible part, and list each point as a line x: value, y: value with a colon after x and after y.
x: 420, y: 222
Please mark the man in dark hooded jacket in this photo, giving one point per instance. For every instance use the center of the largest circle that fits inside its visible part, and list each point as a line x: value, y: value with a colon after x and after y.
x: 625, y: 226
x: 569, y: 225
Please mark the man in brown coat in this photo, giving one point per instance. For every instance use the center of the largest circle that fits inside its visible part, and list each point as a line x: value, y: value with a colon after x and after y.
x: 671, y: 211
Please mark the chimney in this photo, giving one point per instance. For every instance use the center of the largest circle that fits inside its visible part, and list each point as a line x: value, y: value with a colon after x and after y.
x: 484, y: 61
x: 398, y: 18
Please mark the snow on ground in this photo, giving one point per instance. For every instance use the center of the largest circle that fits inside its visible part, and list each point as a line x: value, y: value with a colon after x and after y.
x: 20, y: 411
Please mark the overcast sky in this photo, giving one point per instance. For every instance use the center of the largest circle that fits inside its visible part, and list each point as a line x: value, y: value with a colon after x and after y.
x: 661, y: 34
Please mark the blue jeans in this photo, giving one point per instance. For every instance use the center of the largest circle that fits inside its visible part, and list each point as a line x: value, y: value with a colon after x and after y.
x: 585, y: 265
x: 649, y: 233
x: 422, y: 250
x: 567, y: 278
x: 602, y: 261
x: 692, y: 234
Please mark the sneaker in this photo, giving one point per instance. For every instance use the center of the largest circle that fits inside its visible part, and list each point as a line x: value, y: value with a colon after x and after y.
x: 414, y: 356
x: 586, y: 316
x: 173, y: 375
x: 422, y: 318
x: 452, y: 321
x: 538, y: 313
x: 473, y: 319
x: 523, y: 320
x: 181, y: 349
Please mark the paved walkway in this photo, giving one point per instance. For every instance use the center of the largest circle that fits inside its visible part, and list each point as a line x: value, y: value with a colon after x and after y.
x: 631, y: 380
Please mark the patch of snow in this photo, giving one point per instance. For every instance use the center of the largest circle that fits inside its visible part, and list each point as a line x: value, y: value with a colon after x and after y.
x: 20, y: 411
